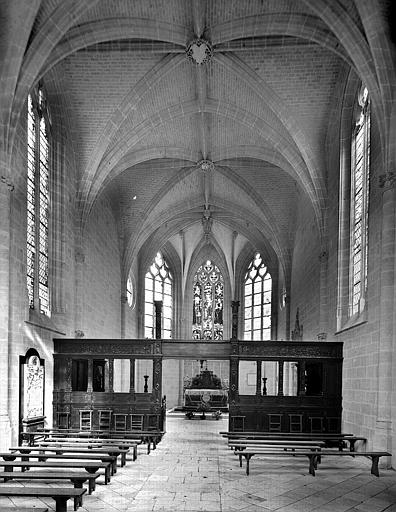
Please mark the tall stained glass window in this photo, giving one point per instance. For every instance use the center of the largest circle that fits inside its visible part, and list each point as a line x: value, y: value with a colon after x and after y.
x: 158, y: 284
x: 38, y: 122
x: 257, y: 301
x: 359, y: 204
x: 208, y: 290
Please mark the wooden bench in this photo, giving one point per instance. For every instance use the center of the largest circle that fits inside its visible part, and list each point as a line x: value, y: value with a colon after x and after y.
x: 77, y: 478
x: 241, y: 444
x: 144, y: 436
x: 339, y: 439
x: 374, y: 456
x: 114, y: 446
x: 64, y: 456
x: 89, y: 466
x: 112, y: 451
x: 59, y: 494
x: 312, y: 456
x: 108, y: 441
x: 24, y: 509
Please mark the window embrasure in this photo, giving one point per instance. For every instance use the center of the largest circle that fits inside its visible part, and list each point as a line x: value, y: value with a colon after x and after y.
x: 360, y: 172
x: 38, y: 148
x: 158, y: 284
x: 257, y: 301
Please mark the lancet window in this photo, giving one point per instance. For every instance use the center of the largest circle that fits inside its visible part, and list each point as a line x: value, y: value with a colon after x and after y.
x: 360, y: 167
x: 208, y: 298
x: 38, y: 146
x: 257, y: 300
x: 158, y: 285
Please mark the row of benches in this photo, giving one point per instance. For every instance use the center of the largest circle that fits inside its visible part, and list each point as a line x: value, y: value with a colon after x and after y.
x: 73, y: 453
x: 313, y: 446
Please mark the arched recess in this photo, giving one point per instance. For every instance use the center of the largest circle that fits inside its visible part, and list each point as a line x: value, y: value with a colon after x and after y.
x: 272, y: 263
x: 145, y: 259
x: 31, y: 392
x: 206, y: 251
x: 345, y: 136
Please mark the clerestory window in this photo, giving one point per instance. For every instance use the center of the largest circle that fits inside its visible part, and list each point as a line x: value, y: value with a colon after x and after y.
x: 257, y: 300
x: 158, y: 285
x: 38, y: 147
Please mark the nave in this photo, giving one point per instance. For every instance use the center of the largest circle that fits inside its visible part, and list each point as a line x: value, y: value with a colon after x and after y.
x: 192, y: 470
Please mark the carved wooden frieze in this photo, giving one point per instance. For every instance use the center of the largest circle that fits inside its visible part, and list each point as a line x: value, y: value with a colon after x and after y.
x: 290, y: 350
x: 109, y: 348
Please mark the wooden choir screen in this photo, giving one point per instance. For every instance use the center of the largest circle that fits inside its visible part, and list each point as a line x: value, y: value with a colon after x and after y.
x: 285, y: 386
x: 103, y: 384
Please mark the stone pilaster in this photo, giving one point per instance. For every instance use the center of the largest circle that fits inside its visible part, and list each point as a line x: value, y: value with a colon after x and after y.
x: 287, y: 316
x: 235, y: 309
x: 6, y: 188
x: 124, y: 307
x: 158, y: 319
x: 323, y: 307
x: 384, y: 385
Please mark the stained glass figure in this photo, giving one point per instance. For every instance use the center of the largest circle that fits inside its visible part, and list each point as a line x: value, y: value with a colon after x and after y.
x: 208, y: 291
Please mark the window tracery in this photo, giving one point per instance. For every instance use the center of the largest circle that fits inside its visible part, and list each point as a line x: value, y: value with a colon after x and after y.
x: 38, y: 146
x: 360, y: 171
x: 257, y: 301
x: 158, y: 286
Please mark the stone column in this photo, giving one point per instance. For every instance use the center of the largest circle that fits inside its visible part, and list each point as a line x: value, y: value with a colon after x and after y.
x: 258, y: 378
x: 90, y: 376
x: 132, y: 376
x: 280, y: 381
x: 235, y: 308
x: 124, y: 306
x: 384, y: 385
x: 301, y: 378
x: 323, y: 291
x: 287, y: 316
x: 6, y: 188
x: 111, y: 375
x: 158, y: 317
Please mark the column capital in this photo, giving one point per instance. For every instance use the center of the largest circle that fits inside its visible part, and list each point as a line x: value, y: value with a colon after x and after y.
x: 387, y: 181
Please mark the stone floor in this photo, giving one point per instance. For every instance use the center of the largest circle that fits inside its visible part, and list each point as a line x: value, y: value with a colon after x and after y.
x: 193, y: 470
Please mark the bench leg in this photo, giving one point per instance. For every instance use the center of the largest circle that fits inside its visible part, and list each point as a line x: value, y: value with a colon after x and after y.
x: 312, y: 464
x: 374, y: 465
x: 78, y: 499
x: 61, y: 503
x: 248, y: 457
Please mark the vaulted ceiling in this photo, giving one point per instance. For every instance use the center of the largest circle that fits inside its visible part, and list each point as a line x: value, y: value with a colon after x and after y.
x: 192, y: 113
